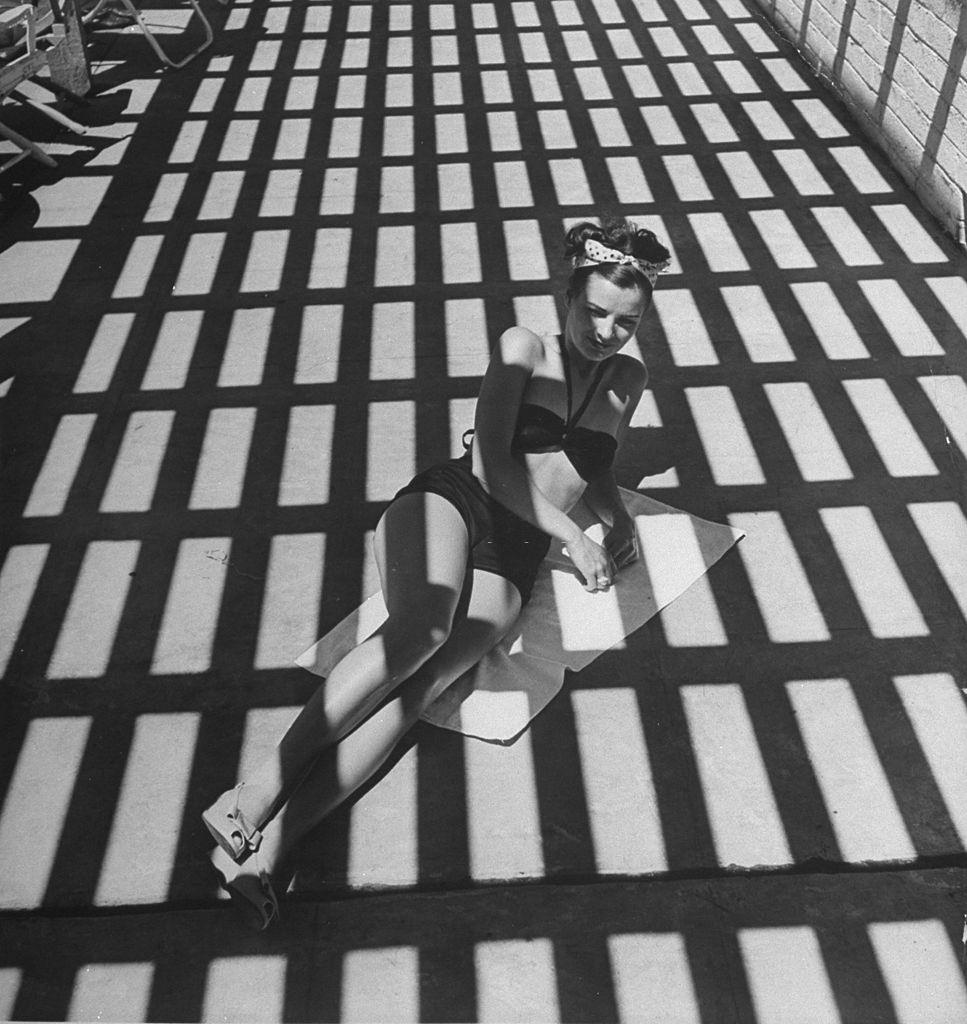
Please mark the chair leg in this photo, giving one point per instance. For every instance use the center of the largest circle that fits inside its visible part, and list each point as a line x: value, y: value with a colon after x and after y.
x: 29, y: 148
x: 54, y: 115
x: 162, y: 56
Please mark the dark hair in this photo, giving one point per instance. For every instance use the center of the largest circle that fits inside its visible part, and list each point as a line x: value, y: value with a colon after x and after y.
x: 616, y: 233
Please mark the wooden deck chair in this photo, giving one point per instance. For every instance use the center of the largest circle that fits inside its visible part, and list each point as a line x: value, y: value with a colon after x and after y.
x: 21, y: 61
x: 135, y: 13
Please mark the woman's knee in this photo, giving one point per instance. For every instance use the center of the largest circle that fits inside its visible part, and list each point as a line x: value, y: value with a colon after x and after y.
x: 410, y: 639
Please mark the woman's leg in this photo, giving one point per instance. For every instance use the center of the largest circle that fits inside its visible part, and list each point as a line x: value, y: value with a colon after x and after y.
x: 343, y: 768
x: 421, y: 549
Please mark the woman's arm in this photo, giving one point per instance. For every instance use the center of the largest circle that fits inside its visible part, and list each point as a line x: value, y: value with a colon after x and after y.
x: 505, y: 478
x: 602, y: 495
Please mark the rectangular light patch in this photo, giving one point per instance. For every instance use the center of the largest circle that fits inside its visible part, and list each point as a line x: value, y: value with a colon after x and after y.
x: 397, y: 191
x: 220, y: 474
x: 103, y: 353
x: 745, y: 177
x: 684, y: 328
x: 785, y: 597
x: 338, y: 192
x: 781, y: 238
x: 330, y: 258
x: 787, y: 976
x: 166, y: 198
x: 803, y: 173
x: 920, y: 969
x: 629, y: 179
x: 652, y: 970
x: 516, y: 981
x: 132, y: 282
x: 719, y: 246
x: 759, y: 327
x: 90, y: 625
x: 19, y: 578
x: 901, y: 319
x: 525, y: 250
x: 199, y: 265
x: 395, y: 257
x: 909, y: 234
x: 221, y: 196
x: 877, y: 582
x: 862, y: 809
x: 570, y: 183
x: 391, y: 448
x: 609, y: 127
x: 451, y: 133
x: 936, y: 709
x: 503, y: 816
x: 149, y: 794
x: 513, y: 184
x: 121, y: 990
x: 293, y: 591
x: 245, y: 351
x: 897, y: 442
x: 504, y: 136
x: 944, y: 529
x: 48, y: 496
x: 266, y: 261
x: 379, y: 985
x: 693, y: 620
x: 186, y: 637
x: 686, y: 178
x: 236, y: 984
x: 134, y: 475
x: 618, y: 785
x: 468, y: 344
x: 456, y: 187
x: 728, y: 447
x: 662, y: 125
x: 715, y: 125
x: 173, y: 350
x: 952, y: 294
x: 36, y: 804
x: 308, y: 456
x: 846, y: 237
x: 767, y: 121
x: 743, y: 815
x: 460, y: 253
x: 383, y: 838
x: 392, y: 342
x: 319, y: 340
x: 807, y: 432
x: 831, y: 323
x: 556, y: 129
x: 281, y: 192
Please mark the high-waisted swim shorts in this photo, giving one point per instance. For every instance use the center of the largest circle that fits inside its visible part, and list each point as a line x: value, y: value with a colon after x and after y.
x: 500, y: 541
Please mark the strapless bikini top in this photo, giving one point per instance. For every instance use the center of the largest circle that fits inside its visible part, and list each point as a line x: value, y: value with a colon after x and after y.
x: 590, y: 452
x: 538, y: 429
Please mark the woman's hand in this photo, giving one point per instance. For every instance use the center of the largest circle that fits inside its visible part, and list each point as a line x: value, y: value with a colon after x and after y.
x: 592, y: 562
x: 621, y: 541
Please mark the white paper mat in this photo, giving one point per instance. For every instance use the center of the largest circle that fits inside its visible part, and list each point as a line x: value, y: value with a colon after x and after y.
x: 562, y: 626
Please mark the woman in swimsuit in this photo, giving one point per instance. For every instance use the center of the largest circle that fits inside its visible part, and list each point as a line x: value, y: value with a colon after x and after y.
x: 458, y: 550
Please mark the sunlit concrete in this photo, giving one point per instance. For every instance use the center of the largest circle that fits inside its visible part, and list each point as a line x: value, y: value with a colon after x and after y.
x: 253, y: 300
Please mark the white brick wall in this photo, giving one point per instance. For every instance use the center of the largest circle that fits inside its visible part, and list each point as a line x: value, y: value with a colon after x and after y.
x: 899, y: 65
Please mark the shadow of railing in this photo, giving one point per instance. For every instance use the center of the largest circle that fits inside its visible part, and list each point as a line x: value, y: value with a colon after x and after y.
x: 276, y: 304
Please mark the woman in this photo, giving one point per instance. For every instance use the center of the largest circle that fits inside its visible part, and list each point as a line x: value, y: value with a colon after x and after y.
x: 458, y: 550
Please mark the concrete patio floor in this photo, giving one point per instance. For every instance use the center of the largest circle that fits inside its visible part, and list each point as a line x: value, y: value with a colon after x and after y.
x: 253, y: 300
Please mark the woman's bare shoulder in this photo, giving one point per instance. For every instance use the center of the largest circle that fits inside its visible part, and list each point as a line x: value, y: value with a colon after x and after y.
x: 522, y: 346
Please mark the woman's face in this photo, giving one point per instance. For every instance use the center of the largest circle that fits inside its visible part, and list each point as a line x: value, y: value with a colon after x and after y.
x: 603, y: 318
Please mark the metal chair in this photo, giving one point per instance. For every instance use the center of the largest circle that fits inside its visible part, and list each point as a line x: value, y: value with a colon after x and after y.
x: 21, y: 61
x: 149, y: 35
